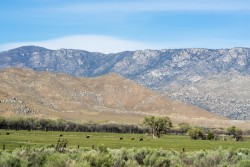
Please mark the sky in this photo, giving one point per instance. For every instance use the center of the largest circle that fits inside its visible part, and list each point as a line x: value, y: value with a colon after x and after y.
x: 111, y: 26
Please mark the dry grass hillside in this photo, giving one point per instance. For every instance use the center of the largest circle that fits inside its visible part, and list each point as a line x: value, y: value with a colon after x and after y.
x: 109, y: 98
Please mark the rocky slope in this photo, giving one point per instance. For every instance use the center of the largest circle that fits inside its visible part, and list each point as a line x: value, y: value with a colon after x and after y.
x: 184, y: 74
x: 106, y: 98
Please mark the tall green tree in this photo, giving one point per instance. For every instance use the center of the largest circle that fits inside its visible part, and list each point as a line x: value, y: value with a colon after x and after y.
x: 158, y: 125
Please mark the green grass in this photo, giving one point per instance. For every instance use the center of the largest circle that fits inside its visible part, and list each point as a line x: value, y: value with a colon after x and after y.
x: 168, y: 142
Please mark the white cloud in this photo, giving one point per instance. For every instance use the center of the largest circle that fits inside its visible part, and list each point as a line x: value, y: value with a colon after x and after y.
x: 107, y: 44
x: 93, y: 43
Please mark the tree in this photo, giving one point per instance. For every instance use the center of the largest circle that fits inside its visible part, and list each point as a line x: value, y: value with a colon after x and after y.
x: 210, y: 136
x: 158, y: 125
x: 235, y: 132
x: 183, y: 127
x: 196, y: 133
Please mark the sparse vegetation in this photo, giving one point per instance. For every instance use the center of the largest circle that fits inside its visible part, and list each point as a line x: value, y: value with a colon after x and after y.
x: 103, y: 156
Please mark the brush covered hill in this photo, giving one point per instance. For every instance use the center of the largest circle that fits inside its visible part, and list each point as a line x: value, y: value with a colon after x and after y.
x: 108, y: 98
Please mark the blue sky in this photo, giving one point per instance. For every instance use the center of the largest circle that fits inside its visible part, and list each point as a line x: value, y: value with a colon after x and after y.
x: 113, y: 25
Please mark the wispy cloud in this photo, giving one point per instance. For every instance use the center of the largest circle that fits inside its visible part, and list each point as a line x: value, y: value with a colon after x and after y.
x: 157, y: 5
x: 107, y: 44
x: 94, y: 43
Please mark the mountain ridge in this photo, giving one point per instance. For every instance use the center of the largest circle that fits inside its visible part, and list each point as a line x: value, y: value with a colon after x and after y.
x: 167, y: 71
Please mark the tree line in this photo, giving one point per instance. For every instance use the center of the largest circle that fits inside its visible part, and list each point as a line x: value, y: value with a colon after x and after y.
x: 163, y: 125
x: 156, y: 126
x: 30, y: 123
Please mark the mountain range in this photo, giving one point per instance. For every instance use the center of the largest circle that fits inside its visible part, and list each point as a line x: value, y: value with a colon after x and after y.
x: 216, y: 80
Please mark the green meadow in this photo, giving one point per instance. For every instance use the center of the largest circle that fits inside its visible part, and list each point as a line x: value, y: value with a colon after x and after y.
x: 23, y: 138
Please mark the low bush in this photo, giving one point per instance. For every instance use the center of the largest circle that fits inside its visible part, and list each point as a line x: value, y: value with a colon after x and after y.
x: 103, y: 156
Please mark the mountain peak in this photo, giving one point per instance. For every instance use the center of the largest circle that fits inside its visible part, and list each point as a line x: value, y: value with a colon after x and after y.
x: 30, y: 48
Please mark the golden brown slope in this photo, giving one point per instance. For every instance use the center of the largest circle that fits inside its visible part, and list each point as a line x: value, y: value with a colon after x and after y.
x: 105, y: 98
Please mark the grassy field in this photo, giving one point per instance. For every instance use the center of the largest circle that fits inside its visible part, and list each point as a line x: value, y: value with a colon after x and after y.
x: 169, y: 142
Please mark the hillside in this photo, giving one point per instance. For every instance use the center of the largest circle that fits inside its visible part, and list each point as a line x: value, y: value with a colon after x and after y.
x: 187, y: 75
x: 218, y: 94
x: 109, y: 98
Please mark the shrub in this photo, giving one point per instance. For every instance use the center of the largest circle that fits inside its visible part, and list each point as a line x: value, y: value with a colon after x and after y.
x: 58, y: 160
x: 162, y: 162
x: 98, y: 159
x: 102, y: 148
x: 9, y: 160
x: 61, y: 145
x: 196, y: 133
x: 124, y: 157
x: 244, y: 163
x: 35, y: 159
x: 184, y: 127
x: 103, y: 160
x: 121, y: 156
x: 235, y: 132
x: 210, y: 136
x: 244, y: 151
x: 131, y: 163
x: 141, y: 154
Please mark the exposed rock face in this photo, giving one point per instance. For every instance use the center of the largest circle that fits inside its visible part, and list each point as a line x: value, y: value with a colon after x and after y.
x: 201, y: 77
x: 225, y: 94
x: 17, y: 106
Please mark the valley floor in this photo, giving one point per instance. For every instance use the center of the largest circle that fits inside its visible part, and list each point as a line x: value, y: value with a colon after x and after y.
x: 16, y: 139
